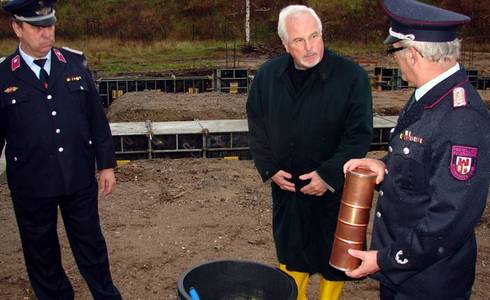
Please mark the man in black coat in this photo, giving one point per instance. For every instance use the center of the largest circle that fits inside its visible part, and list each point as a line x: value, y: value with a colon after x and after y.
x: 56, y: 134
x: 435, y: 178
x: 309, y: 111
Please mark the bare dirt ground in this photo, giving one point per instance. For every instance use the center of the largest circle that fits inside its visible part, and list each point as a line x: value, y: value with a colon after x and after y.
x: 166, y: 216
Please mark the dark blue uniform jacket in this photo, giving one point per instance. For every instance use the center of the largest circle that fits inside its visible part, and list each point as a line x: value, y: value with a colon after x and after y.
x: 434, y: 193
x: 54, y: 137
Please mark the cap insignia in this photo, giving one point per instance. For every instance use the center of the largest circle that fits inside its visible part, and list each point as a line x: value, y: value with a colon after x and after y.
x: 43, y: 11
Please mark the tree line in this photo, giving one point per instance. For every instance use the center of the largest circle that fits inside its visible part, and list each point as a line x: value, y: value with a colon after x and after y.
x: 149, y: 20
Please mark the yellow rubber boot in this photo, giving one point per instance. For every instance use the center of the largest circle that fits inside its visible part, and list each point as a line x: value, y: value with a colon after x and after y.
x: 330, y: 290
x: 301, y: 280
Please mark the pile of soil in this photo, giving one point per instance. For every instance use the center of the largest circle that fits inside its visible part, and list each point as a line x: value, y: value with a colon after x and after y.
x: 160, y: 107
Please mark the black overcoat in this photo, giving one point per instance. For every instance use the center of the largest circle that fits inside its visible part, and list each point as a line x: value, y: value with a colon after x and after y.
x: 434, y: 193
x: 54, y: 137
x: 318, y: 128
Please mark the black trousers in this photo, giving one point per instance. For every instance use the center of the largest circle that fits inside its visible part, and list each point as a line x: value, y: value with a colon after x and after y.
x: 37, y: 220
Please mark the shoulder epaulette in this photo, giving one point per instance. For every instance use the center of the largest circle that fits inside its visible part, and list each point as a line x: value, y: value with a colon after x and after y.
x: 459, y: 97
x: 2, y: 59
x: 72, y: 50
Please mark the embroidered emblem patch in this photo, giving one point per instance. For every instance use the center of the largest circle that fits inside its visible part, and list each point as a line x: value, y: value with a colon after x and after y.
x: 463, y: 162
x: 459, y: 97
x: 15, y: 63
x: 10, y: 89
x: 407, y: 136
x: 59, y: 55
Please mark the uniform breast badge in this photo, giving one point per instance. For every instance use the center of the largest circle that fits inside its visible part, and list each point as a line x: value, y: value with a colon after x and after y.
x: 407, y: 136
x: 73, y: 78
x: 463, y: 162
x: 10, y: 89
x: 459, y: 97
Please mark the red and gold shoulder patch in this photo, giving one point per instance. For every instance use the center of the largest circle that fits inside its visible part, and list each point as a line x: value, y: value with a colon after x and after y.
x: 15, y: 63
x: 463, y: 162
x: 59, y: 55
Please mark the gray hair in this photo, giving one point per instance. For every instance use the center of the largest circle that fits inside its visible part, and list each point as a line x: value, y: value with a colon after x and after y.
x: 436, y: 52
x: 293, y: 10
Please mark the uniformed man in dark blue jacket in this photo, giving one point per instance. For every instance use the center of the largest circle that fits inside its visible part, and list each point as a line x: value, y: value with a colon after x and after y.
x: 435, y: 178
x: 56, y: 134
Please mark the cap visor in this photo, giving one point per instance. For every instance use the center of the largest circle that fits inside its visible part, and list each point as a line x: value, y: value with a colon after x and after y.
x: 43, y: 23
x: 391, y: 40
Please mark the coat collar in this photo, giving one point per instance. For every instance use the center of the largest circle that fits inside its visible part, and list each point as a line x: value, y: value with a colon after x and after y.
x: 22, y: 71
x: 323, y: 68
x: 58, y: 64
x: 430, y: 100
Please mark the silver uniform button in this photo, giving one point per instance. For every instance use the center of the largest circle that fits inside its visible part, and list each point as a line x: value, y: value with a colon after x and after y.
x: 390, y: 149
x: 14, y: 101
x: 440, y: 250
x: 378, y: 214
x: 49, y: 97
x: 392, y: 130
x: 60, y: 149
x: 381, y: 193
x: 90, y: 142
x: 406, y: 151
x: 15, y: 158
x: 58, y: 131
x: 53, y: 113
x: 81, y: 87
x: 386, y: 171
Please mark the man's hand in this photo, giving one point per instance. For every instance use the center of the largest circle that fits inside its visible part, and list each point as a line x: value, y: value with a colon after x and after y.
x: 375, y: 165
x: 316, y: 187
x: 369, y: 264
x: 107, y: 180
x: 281, y: 179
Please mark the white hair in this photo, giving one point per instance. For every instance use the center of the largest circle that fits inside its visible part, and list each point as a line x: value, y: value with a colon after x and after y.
x: 436, y: 52
x: 293, y: 10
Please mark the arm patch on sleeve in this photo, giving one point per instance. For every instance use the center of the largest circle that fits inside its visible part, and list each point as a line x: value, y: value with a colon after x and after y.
x: 463, y: 162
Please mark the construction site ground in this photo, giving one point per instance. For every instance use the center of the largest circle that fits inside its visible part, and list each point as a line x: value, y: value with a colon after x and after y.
x: 166, y: 216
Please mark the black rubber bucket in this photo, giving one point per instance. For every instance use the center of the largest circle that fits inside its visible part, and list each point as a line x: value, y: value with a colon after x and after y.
x: 236, y: 280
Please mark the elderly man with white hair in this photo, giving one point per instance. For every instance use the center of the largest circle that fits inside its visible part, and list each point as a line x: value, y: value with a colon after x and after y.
x: 309, y: 111
x: 435, y: 178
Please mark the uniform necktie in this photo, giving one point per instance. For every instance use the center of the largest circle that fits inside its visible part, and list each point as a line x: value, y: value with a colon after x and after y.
x: 43, y: 75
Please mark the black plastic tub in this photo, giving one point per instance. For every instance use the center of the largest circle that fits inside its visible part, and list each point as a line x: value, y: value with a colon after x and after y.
x: 236, y: 280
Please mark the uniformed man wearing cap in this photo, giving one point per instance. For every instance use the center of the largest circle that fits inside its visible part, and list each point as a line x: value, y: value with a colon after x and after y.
x: 56, y: 132
x: 435, y: 178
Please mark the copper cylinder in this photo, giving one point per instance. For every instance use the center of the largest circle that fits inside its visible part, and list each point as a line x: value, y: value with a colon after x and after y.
x: 353, y: 218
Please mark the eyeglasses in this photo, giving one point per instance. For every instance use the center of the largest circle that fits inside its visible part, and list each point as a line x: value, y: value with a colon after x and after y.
x: 393, y: 50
